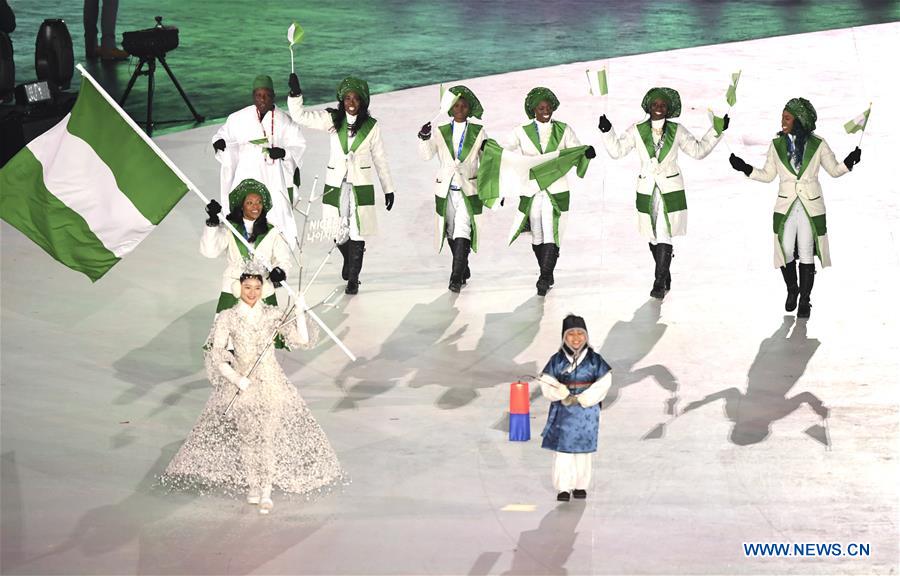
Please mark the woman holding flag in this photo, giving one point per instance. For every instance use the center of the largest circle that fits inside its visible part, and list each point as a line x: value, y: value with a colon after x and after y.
x: 248, y: 205
x: 455, y: 191
x: 661, y: 202
x: 349, y: 185
x: 255, y: 432
x: 542, y: 211
x: 795, y: 156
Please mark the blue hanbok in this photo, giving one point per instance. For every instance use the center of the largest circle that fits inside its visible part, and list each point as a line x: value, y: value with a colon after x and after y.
x: 576, y: 387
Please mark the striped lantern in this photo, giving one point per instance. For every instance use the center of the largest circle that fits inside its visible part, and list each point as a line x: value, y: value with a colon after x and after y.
x: 519, y: 417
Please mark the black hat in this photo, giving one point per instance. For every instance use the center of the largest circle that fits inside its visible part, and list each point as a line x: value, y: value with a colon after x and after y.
x: 571, y: 322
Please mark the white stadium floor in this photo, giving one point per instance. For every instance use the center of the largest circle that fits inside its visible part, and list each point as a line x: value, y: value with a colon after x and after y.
x: 709, y: 439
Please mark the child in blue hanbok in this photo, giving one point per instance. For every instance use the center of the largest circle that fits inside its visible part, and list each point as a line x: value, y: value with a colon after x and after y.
x: 575, y: 380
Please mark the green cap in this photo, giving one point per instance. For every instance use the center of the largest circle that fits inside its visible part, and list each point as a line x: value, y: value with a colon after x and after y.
x: 475, y: 108
x: 353, y: 84
x: 538, y: 95
x: 263, y: 81
x: 670, y: 95
x: 802, y: 109
x: 249, y: 186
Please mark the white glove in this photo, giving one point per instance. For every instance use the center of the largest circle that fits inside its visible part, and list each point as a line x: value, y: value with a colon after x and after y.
x: 243, y: 383
x: 551, y: 388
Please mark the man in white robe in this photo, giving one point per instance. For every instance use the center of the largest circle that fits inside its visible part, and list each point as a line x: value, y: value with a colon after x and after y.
x: 263, y: 143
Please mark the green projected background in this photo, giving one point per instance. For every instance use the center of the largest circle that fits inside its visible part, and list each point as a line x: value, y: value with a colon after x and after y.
x: 403, y: 43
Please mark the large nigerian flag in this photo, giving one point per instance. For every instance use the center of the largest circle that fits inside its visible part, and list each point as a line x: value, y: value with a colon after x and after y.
x: 507, y: 174
x: 89, y: 189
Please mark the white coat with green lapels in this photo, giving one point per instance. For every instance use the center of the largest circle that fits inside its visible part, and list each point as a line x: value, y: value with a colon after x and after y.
x: 800, y: 186
x: 464, y: 168
x: 528, y: 143
x: 660, y: 170
x: 354, y: 163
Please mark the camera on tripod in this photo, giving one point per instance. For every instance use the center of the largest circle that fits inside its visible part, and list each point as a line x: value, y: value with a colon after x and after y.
x: 156, y: 41
x: 149, y: 46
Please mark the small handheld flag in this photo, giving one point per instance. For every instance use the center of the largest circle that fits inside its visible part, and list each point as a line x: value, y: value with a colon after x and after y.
x: 597, y: 84
x: 858, y: 124
x: 731, y: 93
x: 718, y: 123
x: 448, y: 99
x: 294, y: 36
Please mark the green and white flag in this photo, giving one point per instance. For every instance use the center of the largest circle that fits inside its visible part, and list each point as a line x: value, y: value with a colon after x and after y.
x: 859, y: 123
x: 448, y: 99
x: 597, y: 82
x: 91, y: 188
x: 718, y: 122
x: 294, y: 34
x: 731, y: 93
x: 506, y: 174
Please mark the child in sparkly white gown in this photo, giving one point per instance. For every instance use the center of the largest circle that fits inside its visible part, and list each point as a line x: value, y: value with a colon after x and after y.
x: 268, y: 437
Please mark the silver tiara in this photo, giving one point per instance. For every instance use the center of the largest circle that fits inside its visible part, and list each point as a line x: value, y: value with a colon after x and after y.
x: 254, y: 267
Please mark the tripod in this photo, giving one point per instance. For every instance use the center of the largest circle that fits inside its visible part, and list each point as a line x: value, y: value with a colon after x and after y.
x: 150, y: 61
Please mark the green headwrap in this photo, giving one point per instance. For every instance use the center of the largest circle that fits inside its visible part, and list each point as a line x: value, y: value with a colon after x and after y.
x: 802, y: 110
x: 263, y: 81
x: 538, y: 95
x: 475, y: 108
x: 357, y: 85
x: 249, y: 186
x: 673, y: 100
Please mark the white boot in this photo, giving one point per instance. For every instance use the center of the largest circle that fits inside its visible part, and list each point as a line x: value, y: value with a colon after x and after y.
x: 265, y: 501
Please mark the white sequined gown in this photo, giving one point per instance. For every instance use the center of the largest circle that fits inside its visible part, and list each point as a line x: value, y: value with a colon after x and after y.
x: 269, y: 437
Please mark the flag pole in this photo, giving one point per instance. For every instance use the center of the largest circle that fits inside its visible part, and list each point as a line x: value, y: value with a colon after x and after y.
x: 193, y: 188
x: 724, y: 139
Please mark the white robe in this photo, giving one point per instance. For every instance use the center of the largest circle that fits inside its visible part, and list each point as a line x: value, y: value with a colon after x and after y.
x: 241, y: 160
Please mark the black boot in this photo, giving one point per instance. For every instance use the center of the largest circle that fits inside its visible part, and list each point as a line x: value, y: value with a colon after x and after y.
x: 807, y: 275
x: 345, y: 252
x: 661, y: 274
x: 549, y: 256
x: 355, y: 249
x: 789, y: 273
x: 655, y: 258
x: 460, y: 263
x: 468, y: 273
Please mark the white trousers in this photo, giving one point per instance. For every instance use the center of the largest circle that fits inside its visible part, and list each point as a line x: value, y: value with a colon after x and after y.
x: 571, y: 471
x: 348, y: 210
x: 797, y: 229
x: 540, y: 218
x: 658, y: 219
x: 456, y: 218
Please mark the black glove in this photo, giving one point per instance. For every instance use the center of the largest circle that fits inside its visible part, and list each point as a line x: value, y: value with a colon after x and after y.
x: 277, y: 276
x: 502, y: 200
x: 389, y: 200
x: 853, y: 158
x: 219, y: 145
x: 604, y: 124
x: 725, y: 122
x: 297, y: 178
x: 740, y: 165
x: 294, y: 85
x: 213, y: 209
x: 590, y: 152
x: 276, y: 153
x: 425, y: 132
x: 483, y: 144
